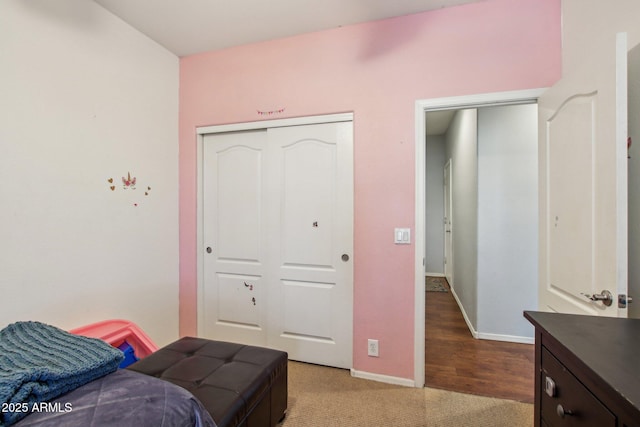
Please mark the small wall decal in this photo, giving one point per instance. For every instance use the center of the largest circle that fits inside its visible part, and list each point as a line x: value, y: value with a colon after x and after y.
x: 129, y: 182
x: 270, y: 112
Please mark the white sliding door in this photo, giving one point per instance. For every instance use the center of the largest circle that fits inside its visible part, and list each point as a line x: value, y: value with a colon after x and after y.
x: 278, y: 240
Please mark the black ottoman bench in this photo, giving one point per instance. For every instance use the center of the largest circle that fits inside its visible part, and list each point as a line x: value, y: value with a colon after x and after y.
x: 239, y: 385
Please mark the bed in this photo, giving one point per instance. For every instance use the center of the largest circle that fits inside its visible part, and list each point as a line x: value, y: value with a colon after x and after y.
x: 49, y: 377
x: 123, y: 398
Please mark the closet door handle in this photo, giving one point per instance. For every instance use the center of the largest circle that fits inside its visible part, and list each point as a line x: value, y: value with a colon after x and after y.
x: 345, y: 257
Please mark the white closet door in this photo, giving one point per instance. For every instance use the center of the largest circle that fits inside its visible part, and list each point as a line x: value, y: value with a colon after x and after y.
x: 278, y: 217
x: 234, y: 299
x: 311, y: 241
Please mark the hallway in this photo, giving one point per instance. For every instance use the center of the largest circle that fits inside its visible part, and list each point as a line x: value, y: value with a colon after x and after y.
x: 456, y: 361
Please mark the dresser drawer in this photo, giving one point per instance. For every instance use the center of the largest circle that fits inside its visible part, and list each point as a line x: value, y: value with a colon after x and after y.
x: 581, y: 408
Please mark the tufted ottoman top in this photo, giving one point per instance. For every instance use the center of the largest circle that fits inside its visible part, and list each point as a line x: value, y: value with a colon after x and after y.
x: 229, y: 379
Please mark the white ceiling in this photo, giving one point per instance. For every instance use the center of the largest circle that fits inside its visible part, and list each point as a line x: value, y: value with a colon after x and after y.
x: 187, y: 27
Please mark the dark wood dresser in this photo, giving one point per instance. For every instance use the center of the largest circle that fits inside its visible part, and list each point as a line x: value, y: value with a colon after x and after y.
x: 587, y: 370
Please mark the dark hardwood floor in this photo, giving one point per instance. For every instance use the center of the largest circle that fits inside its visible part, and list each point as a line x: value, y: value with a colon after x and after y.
x: 456, y: 361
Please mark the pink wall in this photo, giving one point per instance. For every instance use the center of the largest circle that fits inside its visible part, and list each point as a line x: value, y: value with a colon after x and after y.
x: 376, y: 70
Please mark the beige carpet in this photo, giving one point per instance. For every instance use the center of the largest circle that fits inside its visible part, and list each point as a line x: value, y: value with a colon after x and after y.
x: 328, y: 397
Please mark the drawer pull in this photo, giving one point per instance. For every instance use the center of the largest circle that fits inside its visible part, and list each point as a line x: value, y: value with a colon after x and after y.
x: 562, y: 412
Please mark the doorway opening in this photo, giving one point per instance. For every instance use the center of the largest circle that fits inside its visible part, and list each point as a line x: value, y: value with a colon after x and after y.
x: 422, y: 108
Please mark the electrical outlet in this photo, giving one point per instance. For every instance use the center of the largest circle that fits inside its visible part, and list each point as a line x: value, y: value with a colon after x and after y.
x: 372, y: 346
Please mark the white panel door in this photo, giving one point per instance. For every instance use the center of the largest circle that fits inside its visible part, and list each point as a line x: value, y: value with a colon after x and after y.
x: 234, y: 299
x: 583, y: 191
x: 311, y: 242
x: 448, y: 225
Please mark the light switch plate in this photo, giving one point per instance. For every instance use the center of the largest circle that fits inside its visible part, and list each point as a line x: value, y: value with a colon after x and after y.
x: 402, y: 236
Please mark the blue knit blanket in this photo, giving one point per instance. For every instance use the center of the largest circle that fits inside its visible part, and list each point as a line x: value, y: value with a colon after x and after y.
x: 39, y: 362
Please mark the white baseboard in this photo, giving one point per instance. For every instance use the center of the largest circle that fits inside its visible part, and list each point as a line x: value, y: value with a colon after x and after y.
x: 383, y: 378
x: 507, y: 338
x: 489, y: 336
x: 434, y: 274
x: 474, y: 333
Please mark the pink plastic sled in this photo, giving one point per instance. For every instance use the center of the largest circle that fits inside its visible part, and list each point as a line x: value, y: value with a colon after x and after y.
x: 117, y: 331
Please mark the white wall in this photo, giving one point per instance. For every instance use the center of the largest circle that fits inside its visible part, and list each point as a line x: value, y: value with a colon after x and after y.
x: 507, y: 220
x: 85, y: 98
x: 590, y: 23
x: 462, y: 142
x: 434, y: 227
